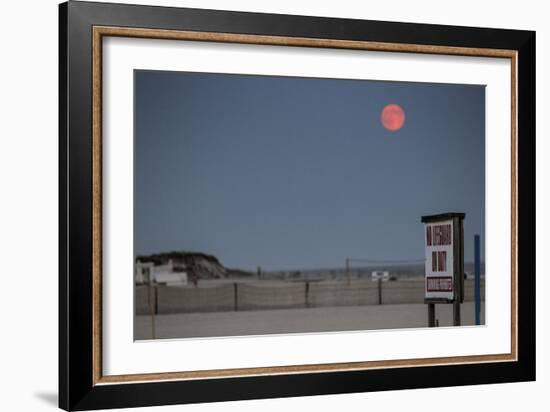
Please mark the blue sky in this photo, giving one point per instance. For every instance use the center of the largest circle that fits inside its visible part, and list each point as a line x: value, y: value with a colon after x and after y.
x: 297, y: 173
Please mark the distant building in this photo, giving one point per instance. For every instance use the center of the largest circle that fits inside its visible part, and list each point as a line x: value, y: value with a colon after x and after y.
x: 164, y: 274
x: 143, y: 271
x: 171, y: 278
x: 195, y: 265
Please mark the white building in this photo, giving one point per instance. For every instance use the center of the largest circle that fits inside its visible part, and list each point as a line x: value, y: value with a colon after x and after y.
x: 162, y: 274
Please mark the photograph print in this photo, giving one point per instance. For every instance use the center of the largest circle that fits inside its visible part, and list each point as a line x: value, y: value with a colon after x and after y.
x: 280, y: 205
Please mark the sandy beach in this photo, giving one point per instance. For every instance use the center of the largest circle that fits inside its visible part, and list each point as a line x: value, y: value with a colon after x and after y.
x: 301, y: 320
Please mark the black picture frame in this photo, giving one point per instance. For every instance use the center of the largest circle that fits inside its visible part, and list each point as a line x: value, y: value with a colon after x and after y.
x: 78, y: 389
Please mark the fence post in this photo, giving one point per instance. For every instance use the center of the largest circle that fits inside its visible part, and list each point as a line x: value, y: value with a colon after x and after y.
x: 156, y: 299
x: 151, y: 295
x: 379, y: 291
x: 307, y: 294
x: 236, y: 296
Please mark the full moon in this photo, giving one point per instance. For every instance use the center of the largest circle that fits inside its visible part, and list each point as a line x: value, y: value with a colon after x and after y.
x: 392, y: 117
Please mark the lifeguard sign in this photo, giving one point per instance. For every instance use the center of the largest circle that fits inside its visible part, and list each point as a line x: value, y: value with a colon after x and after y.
x: 444, y: 264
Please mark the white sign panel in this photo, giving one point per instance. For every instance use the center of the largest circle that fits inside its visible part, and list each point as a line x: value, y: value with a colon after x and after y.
x: 438, y: 241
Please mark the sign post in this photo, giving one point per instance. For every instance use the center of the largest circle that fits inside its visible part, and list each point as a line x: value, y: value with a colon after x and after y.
x: 444, y: 263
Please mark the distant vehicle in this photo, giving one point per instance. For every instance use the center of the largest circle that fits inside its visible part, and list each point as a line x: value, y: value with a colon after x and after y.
x: 377, y: 275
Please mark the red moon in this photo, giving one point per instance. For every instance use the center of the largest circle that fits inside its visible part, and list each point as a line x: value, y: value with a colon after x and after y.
x: 392, y: 117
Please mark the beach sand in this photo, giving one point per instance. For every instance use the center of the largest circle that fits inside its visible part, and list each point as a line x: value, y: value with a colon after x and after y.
x: 302, y: 320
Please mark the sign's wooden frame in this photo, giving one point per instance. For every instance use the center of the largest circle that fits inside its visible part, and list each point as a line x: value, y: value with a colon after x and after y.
x: 457, y: 220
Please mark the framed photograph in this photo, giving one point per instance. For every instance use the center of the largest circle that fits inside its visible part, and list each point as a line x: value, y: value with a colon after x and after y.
x: 256, y: 205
